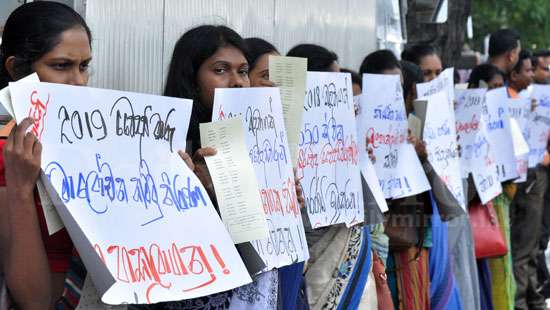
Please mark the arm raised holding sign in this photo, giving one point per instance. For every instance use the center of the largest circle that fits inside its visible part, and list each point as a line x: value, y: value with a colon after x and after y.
x: 52, y: 40
x: 21, y: 225
x: 419, y: 146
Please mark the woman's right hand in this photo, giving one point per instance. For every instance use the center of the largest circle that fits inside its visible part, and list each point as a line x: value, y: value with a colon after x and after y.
x: 22, y: 158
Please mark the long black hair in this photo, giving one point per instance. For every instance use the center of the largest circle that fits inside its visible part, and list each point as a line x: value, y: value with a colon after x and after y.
x: 256, y: 48
x: 191, y: 51
x: 355, y: 77
x: 318, y: 58
x: 416, y: 52
x: 412, y: 75
x: 378, y: 61
x: 31, y: 31
x: 484, y: 72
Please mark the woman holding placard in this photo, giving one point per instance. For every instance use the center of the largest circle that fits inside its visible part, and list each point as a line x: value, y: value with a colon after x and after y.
x: 52, y: 40
x: 426, y: 57
x: 206, y: 58
x: 292, y: 294
x: 336, y: 247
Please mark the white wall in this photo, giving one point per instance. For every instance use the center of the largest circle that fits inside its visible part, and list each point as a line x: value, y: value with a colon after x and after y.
x: 133, y: 39
x: 6, y: 7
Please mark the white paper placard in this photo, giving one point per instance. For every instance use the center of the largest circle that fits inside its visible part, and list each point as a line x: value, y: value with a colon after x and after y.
x: 443, y: 83
x: 53, y: 222
x: 5, y: 97
x: 145, y: 228
x: 521, y: 151
x: 477, y: 157
x: 289, y: 74
x: 234, y: 180
x: 441, y: 145
x: 382, y: 120
x: 328, y: 160
x: 369, y: 173
x: 539, y: 124
x: 519, y: 110
x: 267, y: 146
x: 500, y: 135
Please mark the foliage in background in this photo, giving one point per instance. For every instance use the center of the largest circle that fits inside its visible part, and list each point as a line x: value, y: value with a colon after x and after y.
x: 531, y: 18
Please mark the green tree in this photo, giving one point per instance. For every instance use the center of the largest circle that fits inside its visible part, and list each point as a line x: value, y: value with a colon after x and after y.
x: 531, y: 18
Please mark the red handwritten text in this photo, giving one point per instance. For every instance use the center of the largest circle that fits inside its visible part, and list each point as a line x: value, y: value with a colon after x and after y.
x: 283, y: 201
x: 376, y: 138
x: 468, y: 127
x: 153, y: 265
x: 38, y: 111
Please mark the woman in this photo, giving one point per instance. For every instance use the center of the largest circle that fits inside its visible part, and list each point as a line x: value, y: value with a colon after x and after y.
x: 340, y: 257
x: 206, y: 58
x: 356, y: 81
x: 496, y: 274
x: 425, y: 56
x: 318, y: 57
x: 451, y: 260
x: 291, y: 293
x: 407, y: 264
x: 459, y: 235
x: 52, y: 40
x: 259, y: 51
x: 486, y: 74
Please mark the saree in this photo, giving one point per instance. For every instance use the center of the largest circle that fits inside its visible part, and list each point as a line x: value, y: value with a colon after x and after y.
x: 392, y: 279
x: 412, y: 279
x: 486, y: 297
x: 338, y: 268
x: 290, y: 286
x: 461, y: 248
x: 502, y: 273
x: 444, y: 293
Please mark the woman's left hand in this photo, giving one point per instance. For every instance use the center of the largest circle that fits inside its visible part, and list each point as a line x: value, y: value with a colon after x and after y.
x: 370, y: 152
x: 419, y: 147
x: 299, y: 191
x: 187, y: 159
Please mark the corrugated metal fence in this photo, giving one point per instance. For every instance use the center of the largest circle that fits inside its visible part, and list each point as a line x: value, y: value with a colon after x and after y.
x: 133, y: 39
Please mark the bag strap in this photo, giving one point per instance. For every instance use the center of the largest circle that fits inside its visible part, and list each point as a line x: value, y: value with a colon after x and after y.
x: 491, y: 212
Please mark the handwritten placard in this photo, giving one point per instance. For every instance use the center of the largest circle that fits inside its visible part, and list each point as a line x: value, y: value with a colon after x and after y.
x: 145, y: 228
x: 521, y: 151
x: 500, y: 135
x: 267, y: 147
x: 368, y: 171
x: 443, y: 83
x: 383, y: 121
x: 477, y: 157
x: 519, y: 111
x: 441, y: 145
x: 328, y: 159
x: 539, y: 125
x: 53, y: 222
